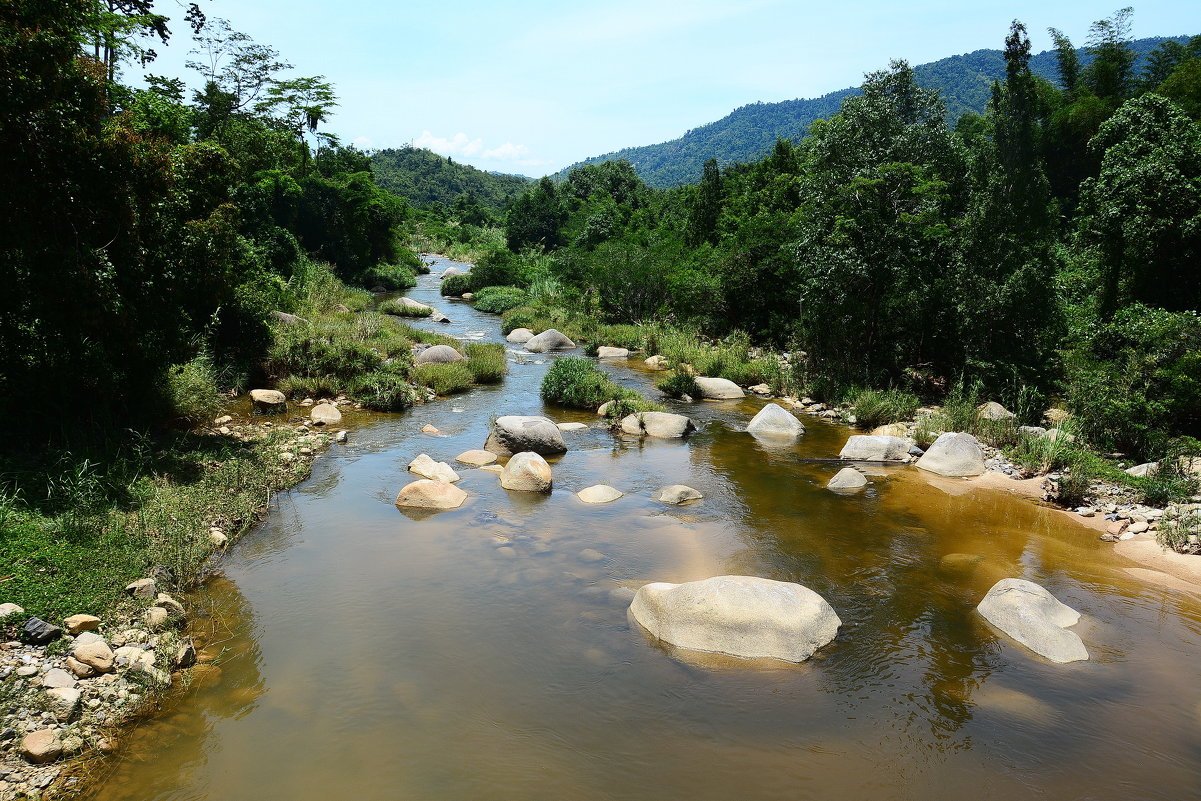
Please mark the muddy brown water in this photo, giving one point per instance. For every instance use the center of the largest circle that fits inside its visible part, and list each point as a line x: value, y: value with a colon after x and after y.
x: 476, y: 654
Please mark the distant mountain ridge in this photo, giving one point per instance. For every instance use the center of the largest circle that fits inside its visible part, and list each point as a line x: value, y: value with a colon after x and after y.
x: 749, y: 132
x: 424, y: 178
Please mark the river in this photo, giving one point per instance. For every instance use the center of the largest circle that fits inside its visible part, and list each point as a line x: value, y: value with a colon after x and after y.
x: 480, y: 654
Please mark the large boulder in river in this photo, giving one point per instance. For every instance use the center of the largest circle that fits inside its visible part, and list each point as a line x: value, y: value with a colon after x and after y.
x: 657, y: 362
x: 439, y: 354
x: 452, y: 271
x: 954, y: 455
x: 520, y: 336
x: 268, y: 401
x: 663, y: 425
x: 601, y: 493
x: 871, y: 448
x: 742, y: 616
x: 412, y: 305
x: 1035, y: 618
x: 527, y: 472
x: 848, y: 478
x: 429, y: 494
x: 515, y: 433
x: 775, y: 422
x: 718, y: 388
x: 549, y: 339
x: 325, y: 414
x: 605, y: 352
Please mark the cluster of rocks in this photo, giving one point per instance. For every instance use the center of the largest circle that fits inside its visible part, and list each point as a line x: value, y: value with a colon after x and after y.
x: 69, y: 686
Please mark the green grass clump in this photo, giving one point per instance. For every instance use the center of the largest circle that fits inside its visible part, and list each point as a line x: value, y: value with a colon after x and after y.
x: 677, y: 384
x: 392, y: 277
x: 383, y: 390
x: 499, y: 299
x: 303, y: 386
x: 875, y: 407
x: 192, y: 391
x: 456, y: 285
x: 394, y: 307
x: 577, y: 382
x: 487, y: 362
x: 445, y: 379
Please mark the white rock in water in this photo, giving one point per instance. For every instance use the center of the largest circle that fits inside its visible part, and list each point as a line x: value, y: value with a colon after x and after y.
x: 429, y: 494
x: 869, y: 448
x: 775, y: 422
x: 527, y: 472
x: 520, y: 336
x: 657, y: 362
x: 663, y: 425
x: 601, y: 493
x: 612, y: 353
x: 677, y: 494
x: 571, y: 426
x: 954, y: 455
x: 1035, y: 618
x: 549, y: 339
x: 719, y: 388
x: 742, y: 616
x: 426, y: 467
x: 476, y: 458
x: 847, y: 478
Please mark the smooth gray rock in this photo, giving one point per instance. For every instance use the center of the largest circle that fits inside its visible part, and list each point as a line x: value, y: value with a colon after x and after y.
x: 1035, y: 618
x: 516, y: 433
x: 417, y: 308
x: 605, y: 352
x: 449, y: 271
x: 439, y: 354
x: 527, y: 472
x: 520, y: 336
x: 871, y: 448
x: 663, y: 425
x: 284, y: 318
x: 743, y: 616
x: 325, y: 414
x: 677, y: 494
x: 548, y: 340
x: 954, y: 455
x: 775, y: 422
x: 847, y: 478
x: 719, y: 388
x: 426, y: 467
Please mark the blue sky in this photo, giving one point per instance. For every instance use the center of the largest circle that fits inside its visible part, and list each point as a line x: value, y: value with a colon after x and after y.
x: 531, y: 87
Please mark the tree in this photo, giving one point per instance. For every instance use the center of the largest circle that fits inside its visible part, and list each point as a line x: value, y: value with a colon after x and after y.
x: 704, y: 206
x: 1110, y: 75
x: 1142, y: 213
x: 536, y: 218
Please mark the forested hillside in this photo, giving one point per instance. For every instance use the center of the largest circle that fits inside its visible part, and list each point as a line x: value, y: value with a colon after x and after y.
x: 426, y: 180
x: 748, y: 133
x: 1045, y: 250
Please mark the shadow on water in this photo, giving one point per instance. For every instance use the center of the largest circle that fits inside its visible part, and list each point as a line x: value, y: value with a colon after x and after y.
x: 486, y: 652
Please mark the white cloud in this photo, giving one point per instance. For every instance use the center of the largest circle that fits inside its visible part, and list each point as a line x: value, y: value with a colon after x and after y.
x: 457, y: 145
x: 464, y: 146
x: 363, y: 143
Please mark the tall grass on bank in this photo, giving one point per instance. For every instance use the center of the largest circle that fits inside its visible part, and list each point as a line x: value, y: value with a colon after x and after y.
x: 878, y: 407
x: 79, y: 526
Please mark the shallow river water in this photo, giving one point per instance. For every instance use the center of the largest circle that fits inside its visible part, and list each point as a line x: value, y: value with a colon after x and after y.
x: 478, y: 654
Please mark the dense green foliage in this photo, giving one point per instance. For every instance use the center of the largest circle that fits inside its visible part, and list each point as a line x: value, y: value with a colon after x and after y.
x: 429, y: 181
x: 750, y: 132
x: 1043, y: 250
x: 151, y: 230
x: 577, y: 382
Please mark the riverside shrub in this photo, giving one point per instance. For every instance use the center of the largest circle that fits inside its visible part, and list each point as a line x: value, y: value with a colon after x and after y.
x: 577, y: 382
